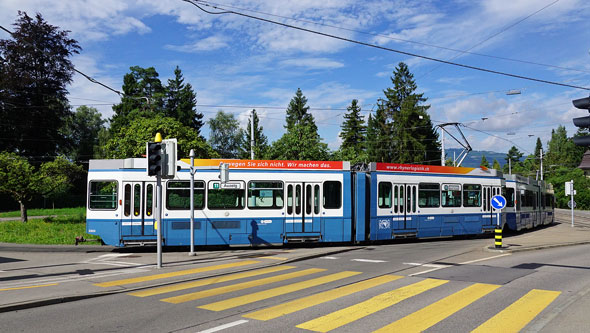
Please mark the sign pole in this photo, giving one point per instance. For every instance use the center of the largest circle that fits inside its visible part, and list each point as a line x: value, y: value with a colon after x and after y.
x: 572, y: 200
x: 192, y: 205
x: 159, y: 217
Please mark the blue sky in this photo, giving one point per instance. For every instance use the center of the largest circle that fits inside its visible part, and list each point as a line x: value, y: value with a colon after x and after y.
x: 235, y: 63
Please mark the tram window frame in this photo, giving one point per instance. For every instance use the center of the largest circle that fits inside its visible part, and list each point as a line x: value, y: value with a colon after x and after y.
x: 149, y: 200
x: 509, y: 195
x: 240, y: 198
x: 316, y: 199
x: 199, y: 193
x: 444, y: 196
x: 332, y: 194
x: 381, y: 199
x: 127, y: 200
x: 276, y: 189
x: 114, y: 195
x: 470, y: 188
x: 426, y: 191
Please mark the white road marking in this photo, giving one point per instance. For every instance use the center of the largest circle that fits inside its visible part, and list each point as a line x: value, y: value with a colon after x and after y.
x: 222, y: 327
x: 332, y: 258
x: 425, y: 265
x: 105, y: 260
x: 368, y: 260
x: 482, y: 259
x: 437, y: 267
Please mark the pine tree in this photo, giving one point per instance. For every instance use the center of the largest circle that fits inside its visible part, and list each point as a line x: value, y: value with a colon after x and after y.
x: 413, y: 136
x: 379, y: 144
x: 484, y: 162
x: 496, y: 165
x: 35, y: 70
x: 301, y: 141
x: 260, y: 140
x: 353, y: 135
x: 181, y: 102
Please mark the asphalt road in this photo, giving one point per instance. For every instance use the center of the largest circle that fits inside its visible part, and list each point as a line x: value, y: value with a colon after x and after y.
x: 442, y: 285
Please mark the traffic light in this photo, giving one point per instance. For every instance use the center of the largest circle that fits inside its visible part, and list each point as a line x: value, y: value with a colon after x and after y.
x: 582, y: 122
x: 154, y: 158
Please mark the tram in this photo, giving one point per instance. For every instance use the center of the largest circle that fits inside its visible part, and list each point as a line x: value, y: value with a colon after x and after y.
x: 280, y: 202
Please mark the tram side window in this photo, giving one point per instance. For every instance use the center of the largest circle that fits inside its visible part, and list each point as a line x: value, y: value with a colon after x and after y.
x: 451, y: 195
x: 384, y: 195
x: 332, y: 195
x: 103, y: 195
x: 178, y: 195
x: 265, y: 195
x: 509, y: 197
x: 471, y: 195
x: 225, y: 198
x: 428, y: 195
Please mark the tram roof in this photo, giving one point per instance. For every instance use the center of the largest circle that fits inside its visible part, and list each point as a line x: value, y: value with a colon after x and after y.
x: 432, y: 169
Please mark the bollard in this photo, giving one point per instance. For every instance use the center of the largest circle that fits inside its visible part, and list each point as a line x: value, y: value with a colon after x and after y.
x: 498, y: 241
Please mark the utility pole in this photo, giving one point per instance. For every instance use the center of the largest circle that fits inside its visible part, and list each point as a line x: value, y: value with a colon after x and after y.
x: 192, y: 205
x: 541, y: 155
x: 442, y: 145
x: 509, y: 165
x: 252, y: 134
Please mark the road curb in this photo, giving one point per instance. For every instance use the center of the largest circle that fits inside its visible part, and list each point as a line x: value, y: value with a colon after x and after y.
x: 532, y: 248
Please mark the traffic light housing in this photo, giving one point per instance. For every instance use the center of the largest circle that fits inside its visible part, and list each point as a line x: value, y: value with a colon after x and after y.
x: 582, y: 122
x: 154, y: 158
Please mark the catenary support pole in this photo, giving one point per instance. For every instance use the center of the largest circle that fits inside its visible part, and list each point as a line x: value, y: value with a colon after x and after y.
x: 192, y: 204
x: 159, y: 217
x: 252, y: 135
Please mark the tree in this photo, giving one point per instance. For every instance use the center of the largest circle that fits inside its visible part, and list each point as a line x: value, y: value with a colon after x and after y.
x: 181, y: 102
x: 34, y: 74
x: 484, y: 162
x: 379, y: 144
x: 129, y: 141
x: 561, y: 151
x: 143, y: 96
x: 513, y: 160
x: 301, y: 141
x: 353, y: 135
x: 225, y: 134
x: 413, y: 136
x: 260, y: 140
x: 496, y: 165
x: 83, y: 129
x: 20, y: 180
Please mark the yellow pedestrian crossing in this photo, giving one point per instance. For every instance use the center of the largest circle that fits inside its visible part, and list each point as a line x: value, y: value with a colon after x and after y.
x: 205, y: 282
x: 174, y: 274
x: 266, y: 294
x: 432, y: 314
x: 513, y: 318
x: 326, y: 296
x: 239, y: 286
x: 352, y: 313
x: 520, y: 313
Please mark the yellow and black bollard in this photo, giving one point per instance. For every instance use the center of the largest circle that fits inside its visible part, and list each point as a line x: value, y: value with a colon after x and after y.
x: 498, y: 241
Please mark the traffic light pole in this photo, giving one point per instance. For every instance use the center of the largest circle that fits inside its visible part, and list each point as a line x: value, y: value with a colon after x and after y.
x: 159, y: 217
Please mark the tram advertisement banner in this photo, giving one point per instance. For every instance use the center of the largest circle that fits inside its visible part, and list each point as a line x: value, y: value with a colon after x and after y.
x: 268, y: 164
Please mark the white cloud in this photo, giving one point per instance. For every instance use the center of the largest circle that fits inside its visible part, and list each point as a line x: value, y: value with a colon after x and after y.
x: 211, y: 43
x: 312, y: 63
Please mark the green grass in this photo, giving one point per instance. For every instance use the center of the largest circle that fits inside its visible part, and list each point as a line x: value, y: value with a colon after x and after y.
x: 52, y: 231
x: 45, y: 212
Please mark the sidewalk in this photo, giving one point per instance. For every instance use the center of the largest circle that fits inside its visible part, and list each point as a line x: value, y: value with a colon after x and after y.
x: 33, y: 276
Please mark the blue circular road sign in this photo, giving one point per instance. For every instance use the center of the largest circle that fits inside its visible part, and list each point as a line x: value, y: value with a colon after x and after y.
x: 498, y: 202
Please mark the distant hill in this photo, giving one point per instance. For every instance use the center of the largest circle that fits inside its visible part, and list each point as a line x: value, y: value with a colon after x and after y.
x: 474, y: 157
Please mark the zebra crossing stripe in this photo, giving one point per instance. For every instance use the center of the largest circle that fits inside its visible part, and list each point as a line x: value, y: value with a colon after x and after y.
x: 206, y: 282
x: 239, y: 286
x: 174, y: 274
x: 436, y: 312
x: 312, y: 300
x: 516, y: 316
x: 370, y: 306
x: 266, y: 294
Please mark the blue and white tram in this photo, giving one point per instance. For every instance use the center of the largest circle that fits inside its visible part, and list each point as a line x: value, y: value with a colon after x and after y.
x: 430, y: 201
x: 264, y: 202
x: 278, y: 202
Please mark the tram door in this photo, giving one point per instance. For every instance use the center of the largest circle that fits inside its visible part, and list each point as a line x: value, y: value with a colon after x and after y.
x: 303, y: 207
x: 405, y: 205
x: 488, y: 193
x: 138, y: 209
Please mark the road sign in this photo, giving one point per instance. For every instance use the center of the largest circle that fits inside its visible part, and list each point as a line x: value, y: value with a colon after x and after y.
x: 498, y: 202
x: 569, y: 204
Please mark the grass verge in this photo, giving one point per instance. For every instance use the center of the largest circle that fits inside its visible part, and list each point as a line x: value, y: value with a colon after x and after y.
x: 45, y: 212
x: 60, y: 230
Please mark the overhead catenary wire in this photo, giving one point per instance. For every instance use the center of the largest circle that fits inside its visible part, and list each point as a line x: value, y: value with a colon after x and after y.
x: 401, y: 39
x: 481, y: 69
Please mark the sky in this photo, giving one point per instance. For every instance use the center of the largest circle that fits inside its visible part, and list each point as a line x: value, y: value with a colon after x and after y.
x: 237, y: 63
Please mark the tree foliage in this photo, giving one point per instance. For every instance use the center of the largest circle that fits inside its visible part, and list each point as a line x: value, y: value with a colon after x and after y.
x: 34, y: 74
x: 181, y: 102
x: 129, y: 141
x: 484, y: 161
x: 83, y: 129
x: 301, y: 141
x: 225, y: 134
x: 353, y: 135
x: 22, y: 181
